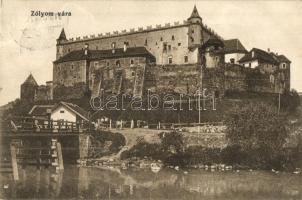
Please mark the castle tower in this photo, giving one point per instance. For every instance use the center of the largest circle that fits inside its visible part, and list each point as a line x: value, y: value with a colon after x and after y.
x: 195, y: 29
x: 28, y: 89
x: 62, y: 38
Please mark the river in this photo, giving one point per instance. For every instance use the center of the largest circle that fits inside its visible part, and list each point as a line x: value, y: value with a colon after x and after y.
x: 94, y: 183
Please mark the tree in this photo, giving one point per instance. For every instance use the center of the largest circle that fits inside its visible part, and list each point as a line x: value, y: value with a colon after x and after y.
x: 256, y: 127
x: 290, y: 101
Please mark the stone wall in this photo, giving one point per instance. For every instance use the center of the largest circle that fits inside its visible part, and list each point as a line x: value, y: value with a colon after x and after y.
x: 173, y: 78
x: 69, y: 73
x: 43, y: 93
x: 77, y: 91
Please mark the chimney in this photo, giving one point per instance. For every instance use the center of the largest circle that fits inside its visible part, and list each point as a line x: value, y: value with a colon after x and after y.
x: 268, y: 50
x: 125, y: 46
x: 86, y: 49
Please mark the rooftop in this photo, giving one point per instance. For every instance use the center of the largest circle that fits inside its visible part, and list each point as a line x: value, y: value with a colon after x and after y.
x: 234, y: 46
x: 40, y: 110
x: 30, y: 80
x: 259, y: 54
x: 105, y: 54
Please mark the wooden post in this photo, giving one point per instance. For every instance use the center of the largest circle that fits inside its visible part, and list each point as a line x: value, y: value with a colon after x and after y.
x: 14, y: 162
x: 60, y: 156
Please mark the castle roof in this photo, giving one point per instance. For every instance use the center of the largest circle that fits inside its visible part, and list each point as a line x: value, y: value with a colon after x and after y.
x: 259, y: 55
x: 105, y: 54
x: 30, y: 81
x: 62, y: 35
x: 195, y: 13
x: 233, y: 46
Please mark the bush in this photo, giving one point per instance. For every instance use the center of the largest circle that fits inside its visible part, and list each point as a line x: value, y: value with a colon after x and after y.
x: 143, y: 149
x: 99, y: 141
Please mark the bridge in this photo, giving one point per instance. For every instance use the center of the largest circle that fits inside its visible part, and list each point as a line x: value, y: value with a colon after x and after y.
x: 43, y: 142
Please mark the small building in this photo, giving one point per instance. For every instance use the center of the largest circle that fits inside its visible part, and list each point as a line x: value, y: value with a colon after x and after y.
x: 69, y: 112
x: 233, y: 50
x: 41, y: 111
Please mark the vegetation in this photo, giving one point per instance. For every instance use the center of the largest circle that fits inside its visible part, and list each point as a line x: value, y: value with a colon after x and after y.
x: 105, y: 143
x: 290, y: 101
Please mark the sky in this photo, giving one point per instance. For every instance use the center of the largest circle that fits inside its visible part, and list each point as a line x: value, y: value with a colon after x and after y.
x: 28, y: 43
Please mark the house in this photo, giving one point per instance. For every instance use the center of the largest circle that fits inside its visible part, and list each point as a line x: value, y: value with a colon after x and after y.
x: 69, y: 112
x: 41, y: 111
x: 234, y: 50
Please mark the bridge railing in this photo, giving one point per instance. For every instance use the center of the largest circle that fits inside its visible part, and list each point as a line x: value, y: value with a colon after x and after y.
x: 27, y: 124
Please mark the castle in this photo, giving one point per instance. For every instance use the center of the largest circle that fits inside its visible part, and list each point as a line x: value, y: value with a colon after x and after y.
x: 174, y: 58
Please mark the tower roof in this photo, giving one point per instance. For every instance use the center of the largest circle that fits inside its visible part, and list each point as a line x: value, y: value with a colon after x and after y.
x: 30, y: 80
x: 194, y: 13
x: 62, y: 35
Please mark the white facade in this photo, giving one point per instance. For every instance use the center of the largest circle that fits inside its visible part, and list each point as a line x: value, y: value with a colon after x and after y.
x: 251, y: 64
x: 61, y: 113
x: 235, y: 56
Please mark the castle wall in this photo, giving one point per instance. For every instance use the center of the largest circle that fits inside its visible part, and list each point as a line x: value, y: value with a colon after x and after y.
x: 174, y: 38
x: 235, y: 78
x: 43, y: 93
x: 69, y: 73
x: 183, y: 79
x: 103, y: 74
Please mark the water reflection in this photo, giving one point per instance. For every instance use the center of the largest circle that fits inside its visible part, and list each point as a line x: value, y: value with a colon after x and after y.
x: 92, y: 183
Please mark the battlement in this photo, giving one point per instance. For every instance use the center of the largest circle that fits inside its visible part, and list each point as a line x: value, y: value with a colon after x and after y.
x: 126, y: 32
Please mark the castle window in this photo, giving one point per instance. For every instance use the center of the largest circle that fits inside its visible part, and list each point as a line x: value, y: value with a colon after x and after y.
x: 173, y: 38
x: 186, y: 59
x: 165, y: 47
x: 192, y: 39
x: 96, y: 64
x: 169, y: 47
x: 146, y: 42
x: 61, y: 111
x: 170, y: 61
x: 71, y: 66
x: 133, y: 73
x: 74, y: 77
x: 117, y: 63
x: 179, y: 44
x: 192, y: 30
x: 161, y: 38
x: 155, y: 43
x: 250, y: 64
x: 232, y: 60
x: 96, y: 48
x: 68, y: 50
x: 107, y: 64
x: 131, y: 62
x: 284, y: 65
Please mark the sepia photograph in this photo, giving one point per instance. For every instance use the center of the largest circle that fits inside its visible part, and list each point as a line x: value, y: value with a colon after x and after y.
x: 160, y: 99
